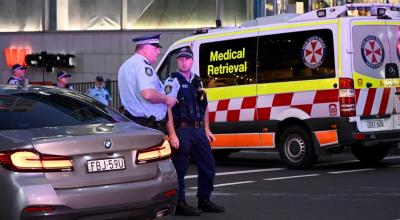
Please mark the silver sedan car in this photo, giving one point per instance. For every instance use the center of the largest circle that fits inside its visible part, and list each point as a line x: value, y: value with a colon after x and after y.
x: 64, y: 155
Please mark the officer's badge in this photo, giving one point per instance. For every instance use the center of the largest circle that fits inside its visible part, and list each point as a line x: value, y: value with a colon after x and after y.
x: 168, y: 89
x: 148, y: 71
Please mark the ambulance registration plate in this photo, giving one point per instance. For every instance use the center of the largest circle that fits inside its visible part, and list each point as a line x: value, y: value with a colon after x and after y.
x: 105, y: 165
x: 376, y: 123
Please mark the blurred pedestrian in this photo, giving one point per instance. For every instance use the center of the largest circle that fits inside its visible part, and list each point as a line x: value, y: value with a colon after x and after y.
x: 140, y: 89
x: 62, y: 80
x: 190, y: 135
x: 100, y: 93
x: 18, y: 77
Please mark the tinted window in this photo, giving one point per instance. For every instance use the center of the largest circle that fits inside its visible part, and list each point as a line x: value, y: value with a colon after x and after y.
x: 169, y: 65
x: 228, y: 63
x: 296, y: 56
x: 35, y: 110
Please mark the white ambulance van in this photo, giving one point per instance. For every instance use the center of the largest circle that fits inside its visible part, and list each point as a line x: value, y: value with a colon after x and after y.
x: 303, y: 84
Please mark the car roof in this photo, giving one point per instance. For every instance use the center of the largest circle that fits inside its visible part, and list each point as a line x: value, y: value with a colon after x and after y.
x: 12, y: 89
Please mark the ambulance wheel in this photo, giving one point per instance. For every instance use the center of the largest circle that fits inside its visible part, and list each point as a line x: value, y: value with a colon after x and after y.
x: 296, y: 149
x: 370, y: 155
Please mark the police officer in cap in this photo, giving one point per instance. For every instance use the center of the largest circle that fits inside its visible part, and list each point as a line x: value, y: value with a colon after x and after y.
x: 18, y: 75
x: 100, y: 93
x: 140, y: 89
x: 62, y: 80
x: 190, y: 135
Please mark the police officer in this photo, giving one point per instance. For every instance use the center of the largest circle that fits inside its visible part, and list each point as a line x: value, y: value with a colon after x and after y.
x: 18, y: 75
x: 99, y: 93
x: 62, y: 80
x: 140, y: 89
x: 189, y: 134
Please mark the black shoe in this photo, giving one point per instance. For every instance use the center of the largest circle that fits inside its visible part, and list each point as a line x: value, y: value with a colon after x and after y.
x: 208, y: 206
x: 183, y: 208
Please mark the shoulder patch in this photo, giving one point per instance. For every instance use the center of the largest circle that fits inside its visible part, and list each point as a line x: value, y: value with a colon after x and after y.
x: 148, y: 71
x: 167, y: 89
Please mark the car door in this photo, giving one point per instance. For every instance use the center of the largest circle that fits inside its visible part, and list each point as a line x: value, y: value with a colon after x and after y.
x: 372, y: 60
x: 392, y: 71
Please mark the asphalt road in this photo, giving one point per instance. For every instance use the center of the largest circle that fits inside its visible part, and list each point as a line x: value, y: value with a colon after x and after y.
x: 256, y: 185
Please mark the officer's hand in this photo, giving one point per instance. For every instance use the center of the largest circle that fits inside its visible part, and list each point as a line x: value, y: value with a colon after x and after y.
x: 210, y: 136
x: 174, y: 141
x: 171, y: 101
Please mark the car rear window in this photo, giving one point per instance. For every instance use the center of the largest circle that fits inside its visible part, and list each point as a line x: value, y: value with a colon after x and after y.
x: 42, y: 109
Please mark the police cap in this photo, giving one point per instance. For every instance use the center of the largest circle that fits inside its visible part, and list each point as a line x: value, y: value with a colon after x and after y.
x: 63, y: 74
x: 18, y: 67
x: 153, y: 39
x: 185, y: 52
x: 99, y: 79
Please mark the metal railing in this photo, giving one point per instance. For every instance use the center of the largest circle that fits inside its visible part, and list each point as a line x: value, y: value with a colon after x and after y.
x: 110, y: 85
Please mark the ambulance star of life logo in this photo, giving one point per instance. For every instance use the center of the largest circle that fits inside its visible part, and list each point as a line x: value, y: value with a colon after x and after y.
x: 372, y: 52
x: 313, y: 52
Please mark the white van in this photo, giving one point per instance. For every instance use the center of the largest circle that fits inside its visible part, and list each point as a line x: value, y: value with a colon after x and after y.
x: 303, y: 84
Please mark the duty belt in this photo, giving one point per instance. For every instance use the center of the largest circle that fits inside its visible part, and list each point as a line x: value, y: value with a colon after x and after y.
x: 147, y: 122
x: 195, y: 124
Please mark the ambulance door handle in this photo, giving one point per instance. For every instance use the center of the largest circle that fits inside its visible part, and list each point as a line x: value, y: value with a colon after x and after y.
x: 369, y: 85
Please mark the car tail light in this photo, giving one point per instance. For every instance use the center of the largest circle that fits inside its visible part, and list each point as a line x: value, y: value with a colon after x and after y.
x: 158, y: 152
x: 32, y: 161
x: 170, y: 193
x: 34, y: 209
x: 347, y: 98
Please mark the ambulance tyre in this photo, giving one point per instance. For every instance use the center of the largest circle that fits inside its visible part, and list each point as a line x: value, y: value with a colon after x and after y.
x: 370, y: 155
x: 296, y: 148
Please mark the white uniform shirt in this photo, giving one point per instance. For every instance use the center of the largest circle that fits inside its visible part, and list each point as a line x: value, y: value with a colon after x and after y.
x: 16, y: 81
x: 135, y: 75
x: 100, y: 94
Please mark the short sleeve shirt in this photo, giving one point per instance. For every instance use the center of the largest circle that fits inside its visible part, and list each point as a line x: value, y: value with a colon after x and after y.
x: 135, y: 75
x: 172, y: 86
x: 100, y: 94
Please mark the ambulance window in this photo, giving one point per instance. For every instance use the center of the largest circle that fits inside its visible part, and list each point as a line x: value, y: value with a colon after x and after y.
x: 296, y: 56
x: 228, y: 63
x: 168, y: 66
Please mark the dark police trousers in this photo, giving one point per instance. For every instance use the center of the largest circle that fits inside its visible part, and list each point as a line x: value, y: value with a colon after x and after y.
x: 193, y: 143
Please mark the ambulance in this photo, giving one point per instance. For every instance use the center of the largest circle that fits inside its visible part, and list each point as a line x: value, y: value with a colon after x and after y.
x: 304, y: 85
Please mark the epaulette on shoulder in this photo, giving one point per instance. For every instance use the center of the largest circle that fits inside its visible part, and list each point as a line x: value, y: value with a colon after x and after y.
x: 172, y: 76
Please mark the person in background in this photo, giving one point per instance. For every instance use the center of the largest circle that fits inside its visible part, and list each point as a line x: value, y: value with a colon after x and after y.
x: 100, y: 93
x: 190, y: 135
x: 18, y: 77
x: 140, y: 89
x: 62, y: 80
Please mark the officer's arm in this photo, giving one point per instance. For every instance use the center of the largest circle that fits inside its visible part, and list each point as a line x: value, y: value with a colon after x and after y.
x: 151, y: 95
x: 209, y: 134
x: 109, y: 98
x: 173, y: 138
